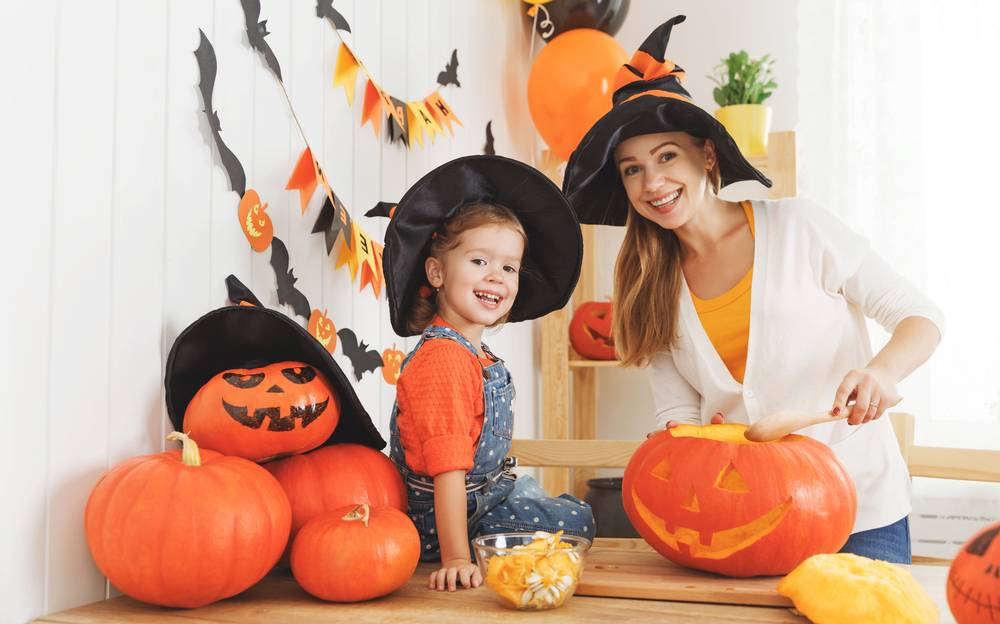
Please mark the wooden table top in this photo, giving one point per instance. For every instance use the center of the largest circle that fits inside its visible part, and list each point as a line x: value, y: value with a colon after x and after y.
x: 279, y: 598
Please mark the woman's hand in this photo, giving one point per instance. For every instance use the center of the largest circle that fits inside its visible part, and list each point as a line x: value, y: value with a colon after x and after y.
x: 454, y: 572
x: 872, y: 392
x: 716, y: 420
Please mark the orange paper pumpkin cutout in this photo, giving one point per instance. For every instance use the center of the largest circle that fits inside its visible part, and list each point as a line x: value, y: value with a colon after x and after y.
x: 708, y: 498
x: 323, y: 330
x: 972, y: 580
x: 590, y: 331
x: 255, y: 223
x: 392, y: 361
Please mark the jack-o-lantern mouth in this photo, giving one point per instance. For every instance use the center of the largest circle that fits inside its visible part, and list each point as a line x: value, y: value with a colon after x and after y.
x: 305, y: 413
x: 721, y: 543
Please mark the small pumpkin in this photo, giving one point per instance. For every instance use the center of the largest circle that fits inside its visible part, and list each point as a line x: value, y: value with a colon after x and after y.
x: 973, y: 586
x: 356, y: 553
x: 848, y: 589
x: 392, y: 361
x: 323, y: 330
x: 590, y: 330
x: 186, y: 528
x: 255, y: 223
x: 264, y: 413
x: 335, y: 476
x: 708, y: 498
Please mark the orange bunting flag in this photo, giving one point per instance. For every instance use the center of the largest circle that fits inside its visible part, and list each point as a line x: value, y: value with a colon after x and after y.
x: 372, y: 109
x: 421, y: 121
x: 356, y: 253
x: 441, y: 112
x: 346, y: 72
x: 304, y: 178
x: 370, y: 276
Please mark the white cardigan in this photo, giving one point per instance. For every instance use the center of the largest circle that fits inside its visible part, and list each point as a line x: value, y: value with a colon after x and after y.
x: 814, y: 281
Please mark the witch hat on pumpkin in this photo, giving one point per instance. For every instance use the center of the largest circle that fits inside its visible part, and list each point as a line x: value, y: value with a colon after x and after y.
x: 248, y: 335
x: 648, y: 99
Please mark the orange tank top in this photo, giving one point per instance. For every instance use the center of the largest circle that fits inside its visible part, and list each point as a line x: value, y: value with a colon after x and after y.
x: 726, y: 318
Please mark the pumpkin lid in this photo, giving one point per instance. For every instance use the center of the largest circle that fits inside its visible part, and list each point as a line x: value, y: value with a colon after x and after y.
x: 555, y: 243
x: 648, y: 99
x: 249, y: 336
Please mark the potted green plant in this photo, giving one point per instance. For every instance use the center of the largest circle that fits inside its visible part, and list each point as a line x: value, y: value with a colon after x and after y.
x: 743, y: 85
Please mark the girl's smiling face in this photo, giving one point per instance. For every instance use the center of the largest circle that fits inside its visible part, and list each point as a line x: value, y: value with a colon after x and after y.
x: 478, y: 279
x: 665, y: 175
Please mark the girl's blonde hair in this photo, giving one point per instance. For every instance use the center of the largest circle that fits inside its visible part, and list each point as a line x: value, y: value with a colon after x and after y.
x: 423, y: 307
x: 647, y: 284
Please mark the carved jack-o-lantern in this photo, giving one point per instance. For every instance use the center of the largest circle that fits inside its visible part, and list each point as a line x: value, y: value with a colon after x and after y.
x: 392, y: 360
x: 590, y: 331
x: 708, y: 498
x: 264, y: 413
x: 323, y: 329
x: 255, y: 223
x: 974, y: 579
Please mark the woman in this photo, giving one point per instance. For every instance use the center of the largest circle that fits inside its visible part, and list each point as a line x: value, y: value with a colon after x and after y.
x: 744, y: 309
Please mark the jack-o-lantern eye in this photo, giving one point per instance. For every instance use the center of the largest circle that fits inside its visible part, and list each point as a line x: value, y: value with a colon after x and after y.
x: 664, y: 470
x: 731, y: 481
x: 979, y: 545
x: 299, y: 375
x: 243, y: 381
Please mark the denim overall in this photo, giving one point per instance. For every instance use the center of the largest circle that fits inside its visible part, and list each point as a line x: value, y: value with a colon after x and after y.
x: 496, y: 500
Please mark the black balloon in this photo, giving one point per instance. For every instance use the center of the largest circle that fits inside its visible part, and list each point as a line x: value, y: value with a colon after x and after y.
x: 556, y: 17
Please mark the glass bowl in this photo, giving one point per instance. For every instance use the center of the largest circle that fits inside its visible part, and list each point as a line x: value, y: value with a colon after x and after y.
x: 528, y: 571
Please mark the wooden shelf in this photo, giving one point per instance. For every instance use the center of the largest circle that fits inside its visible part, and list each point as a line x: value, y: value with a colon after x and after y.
x: 569, y: 382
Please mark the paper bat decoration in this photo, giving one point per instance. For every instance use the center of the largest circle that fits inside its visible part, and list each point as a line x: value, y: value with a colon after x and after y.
x: 256, y: 31
x: 363, y: 359
x: 287, y: 292
x: 209, y: 66
x: 324, y: 8
x: 450, y: 73
x: 334, y: 221
x: 488, y: 148
x: 382, y: 209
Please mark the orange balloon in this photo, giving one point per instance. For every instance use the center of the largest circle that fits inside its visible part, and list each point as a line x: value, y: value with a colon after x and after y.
x: 570, y: 86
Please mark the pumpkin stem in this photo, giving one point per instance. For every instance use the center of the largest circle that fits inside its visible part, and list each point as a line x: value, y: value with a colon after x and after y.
x: 190, y: 455
x: 358, y: 513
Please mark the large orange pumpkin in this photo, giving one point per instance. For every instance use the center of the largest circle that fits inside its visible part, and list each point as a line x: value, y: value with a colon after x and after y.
x: 974, y: 579
x: 264, y: 413
x: 590, y: 330
x: 356, y: 553
x: 183, y: 529
x: 708, y: 498
x: 335, y: 476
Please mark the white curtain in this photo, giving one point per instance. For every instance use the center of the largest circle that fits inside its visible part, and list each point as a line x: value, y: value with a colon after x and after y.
x: 898, y: 134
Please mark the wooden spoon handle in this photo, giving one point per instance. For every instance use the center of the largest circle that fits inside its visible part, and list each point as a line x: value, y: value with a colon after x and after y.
x: 780, y: 424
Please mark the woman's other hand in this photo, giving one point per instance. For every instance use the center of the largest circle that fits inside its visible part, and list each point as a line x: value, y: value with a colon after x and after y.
x: 454, y: 572
x: 716, y: 420
x: 871, y: 392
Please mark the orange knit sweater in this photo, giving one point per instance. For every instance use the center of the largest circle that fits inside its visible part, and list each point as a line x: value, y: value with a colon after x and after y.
x: 440, y: 399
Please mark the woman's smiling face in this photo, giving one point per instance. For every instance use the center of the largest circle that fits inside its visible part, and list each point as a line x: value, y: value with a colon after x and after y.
x: 665, y: 175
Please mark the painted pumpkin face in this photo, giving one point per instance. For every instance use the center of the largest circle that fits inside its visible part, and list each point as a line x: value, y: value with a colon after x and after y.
x: 323, y: 330
x: 590, y: 331
x: 254, y: 222
x: 392, y: 360
x: 974, y: 579
x: 264, y: 413
x: 707, y: 498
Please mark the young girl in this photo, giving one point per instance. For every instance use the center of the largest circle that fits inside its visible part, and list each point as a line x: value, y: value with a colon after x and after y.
x: 477, y: 242
x: 744, y: 309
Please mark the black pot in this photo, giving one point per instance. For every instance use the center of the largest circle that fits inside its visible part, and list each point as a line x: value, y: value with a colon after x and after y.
x: 605, y: 499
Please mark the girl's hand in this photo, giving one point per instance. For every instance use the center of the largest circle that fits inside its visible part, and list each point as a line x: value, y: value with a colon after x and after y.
x: 873, y: 393
x: 716, y: 420
x: 453, y: 572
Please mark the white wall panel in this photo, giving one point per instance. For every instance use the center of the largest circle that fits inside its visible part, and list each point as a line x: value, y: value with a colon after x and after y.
x: 26, y: 158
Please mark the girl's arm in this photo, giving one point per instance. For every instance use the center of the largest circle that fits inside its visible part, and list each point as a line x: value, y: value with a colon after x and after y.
x: 453, y: 534
x: 912, y: 343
